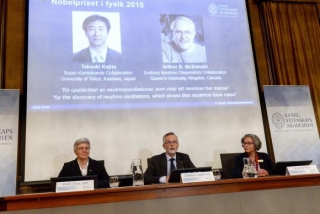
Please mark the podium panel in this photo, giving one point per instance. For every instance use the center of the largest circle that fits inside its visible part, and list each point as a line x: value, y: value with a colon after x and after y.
x: 278, y: 194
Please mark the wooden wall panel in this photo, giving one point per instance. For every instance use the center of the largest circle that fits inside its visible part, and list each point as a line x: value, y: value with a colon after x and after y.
x: 14, y: 45
x: 2, y: 28
x: 259, y: 45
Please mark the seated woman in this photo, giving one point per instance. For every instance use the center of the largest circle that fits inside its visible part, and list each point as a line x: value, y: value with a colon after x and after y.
x: 251, y: 144
x: 83, y: 165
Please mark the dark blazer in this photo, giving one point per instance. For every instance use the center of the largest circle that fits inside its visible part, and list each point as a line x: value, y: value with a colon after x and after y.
x: 157, y: 166
x: 113, y: 57
x: 267, y: 163
x: 71, y: 168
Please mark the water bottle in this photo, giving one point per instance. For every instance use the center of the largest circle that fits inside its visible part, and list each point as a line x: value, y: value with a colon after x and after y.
x: 137, y: 173
x: 249, y: 169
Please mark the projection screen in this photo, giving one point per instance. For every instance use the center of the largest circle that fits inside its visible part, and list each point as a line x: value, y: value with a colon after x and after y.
x: 199, y: 82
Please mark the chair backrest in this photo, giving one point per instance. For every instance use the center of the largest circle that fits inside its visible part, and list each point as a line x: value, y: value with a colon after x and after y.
x: 101, y: 161
x: 227, y: 162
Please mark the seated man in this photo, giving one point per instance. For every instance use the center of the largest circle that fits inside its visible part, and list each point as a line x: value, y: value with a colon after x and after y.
x: 160, y: 166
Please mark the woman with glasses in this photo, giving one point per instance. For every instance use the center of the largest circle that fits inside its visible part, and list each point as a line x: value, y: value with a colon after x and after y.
x: 251, y: 145
x: 83, y: 165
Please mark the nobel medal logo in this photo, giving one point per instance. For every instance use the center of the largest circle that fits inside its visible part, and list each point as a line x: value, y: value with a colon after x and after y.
x: 278, y: 120
x: 223, y: 10
x: 213, y: 9
x: 292, y: 121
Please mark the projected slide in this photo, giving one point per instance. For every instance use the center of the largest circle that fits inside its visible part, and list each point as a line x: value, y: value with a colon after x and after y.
x: 152, y: 57
x: 124, y: 73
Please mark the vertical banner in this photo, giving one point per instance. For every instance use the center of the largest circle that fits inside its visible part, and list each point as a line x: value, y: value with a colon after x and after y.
x: 292, y: 123
x: 9, y: 120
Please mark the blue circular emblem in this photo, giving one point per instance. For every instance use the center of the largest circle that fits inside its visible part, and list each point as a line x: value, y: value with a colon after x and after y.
x: 278, y: 120
x: 213, y: 9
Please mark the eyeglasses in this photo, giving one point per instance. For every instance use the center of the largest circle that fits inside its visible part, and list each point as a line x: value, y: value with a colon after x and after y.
x: 83, y: 148
x: 246, y: 144
x: 171, y: 142
x: 185, y: 33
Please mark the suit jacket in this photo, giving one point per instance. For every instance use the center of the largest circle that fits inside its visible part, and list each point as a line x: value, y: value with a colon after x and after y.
x: 112, y: 57
x: 157, y: 166
x: 72, y: 168
x: 266, y: 163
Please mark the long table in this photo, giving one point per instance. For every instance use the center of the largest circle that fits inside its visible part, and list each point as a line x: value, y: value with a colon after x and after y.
x: 159, y: 195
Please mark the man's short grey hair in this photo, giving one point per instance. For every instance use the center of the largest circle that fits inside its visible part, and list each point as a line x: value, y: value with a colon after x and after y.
x: 181, y: 18
x: 169, y: 133
x: 79, y: 141
x: 255, y: 139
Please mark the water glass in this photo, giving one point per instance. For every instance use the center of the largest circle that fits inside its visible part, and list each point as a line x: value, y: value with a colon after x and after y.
x: 114, y: 181
x: 216, y: 174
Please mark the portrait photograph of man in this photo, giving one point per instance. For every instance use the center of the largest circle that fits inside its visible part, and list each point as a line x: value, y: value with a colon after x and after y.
x: 182, y: 39
x: 93, y: 41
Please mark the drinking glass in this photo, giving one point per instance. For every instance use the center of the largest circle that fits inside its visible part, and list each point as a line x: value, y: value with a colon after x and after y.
x: 216, y: 174
x: 114, y: 181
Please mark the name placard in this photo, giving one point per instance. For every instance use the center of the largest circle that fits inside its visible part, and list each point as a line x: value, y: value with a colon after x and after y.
x: 197, y: 177
x: 302, y: 170
x: 71, y: 186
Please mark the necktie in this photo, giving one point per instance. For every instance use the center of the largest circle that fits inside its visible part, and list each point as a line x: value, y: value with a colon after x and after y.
x: 171, y: 164
x: 99, y: 58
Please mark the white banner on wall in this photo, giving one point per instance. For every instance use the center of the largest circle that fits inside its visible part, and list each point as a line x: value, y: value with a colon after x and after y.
x: 292, y: 123
x: 9, y: 120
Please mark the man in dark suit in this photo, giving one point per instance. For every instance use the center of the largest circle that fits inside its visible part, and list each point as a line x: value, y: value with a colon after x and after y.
x: 83, y: 165
x: 160, y: 166
x: 97, y: 29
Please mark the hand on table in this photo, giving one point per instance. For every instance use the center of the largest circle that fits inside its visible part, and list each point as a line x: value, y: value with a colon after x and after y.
x: 262, y: 173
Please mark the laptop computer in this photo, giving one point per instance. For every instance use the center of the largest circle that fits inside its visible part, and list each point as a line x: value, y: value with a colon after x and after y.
x: 54, y: 180
x: 175, y: 174
x: 281, y: 166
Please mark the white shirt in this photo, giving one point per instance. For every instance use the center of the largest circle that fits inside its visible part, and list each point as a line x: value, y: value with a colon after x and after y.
x: 84, y: 170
